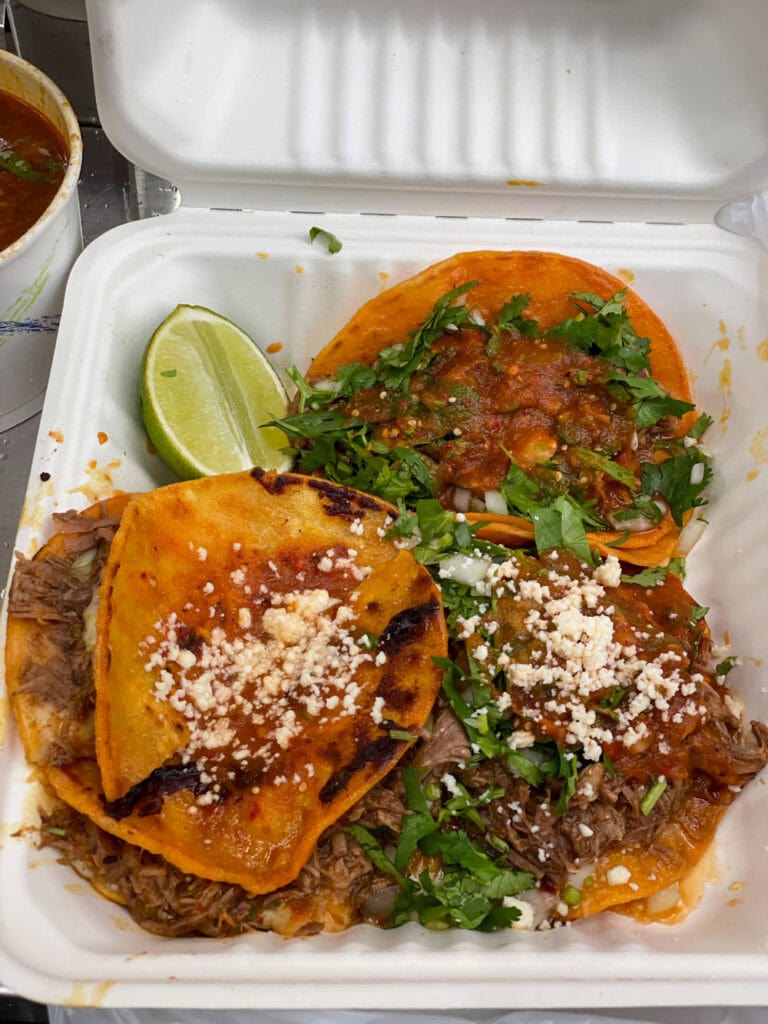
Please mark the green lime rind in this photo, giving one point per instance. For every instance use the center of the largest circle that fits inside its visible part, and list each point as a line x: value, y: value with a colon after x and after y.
x: 206, y: 389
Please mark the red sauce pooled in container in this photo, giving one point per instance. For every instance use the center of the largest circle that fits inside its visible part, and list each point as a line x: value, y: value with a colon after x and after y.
x: 33, y: 159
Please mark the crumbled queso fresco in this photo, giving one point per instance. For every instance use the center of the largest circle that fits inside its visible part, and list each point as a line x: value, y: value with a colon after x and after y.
x: 578, y: 656
x: 302, y: 661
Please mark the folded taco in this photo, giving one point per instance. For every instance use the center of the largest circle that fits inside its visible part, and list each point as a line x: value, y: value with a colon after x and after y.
x: 262, y: 656
x: 530, y: 390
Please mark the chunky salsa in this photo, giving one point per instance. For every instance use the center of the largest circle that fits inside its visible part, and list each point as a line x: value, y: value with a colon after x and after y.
x: 33, y: 159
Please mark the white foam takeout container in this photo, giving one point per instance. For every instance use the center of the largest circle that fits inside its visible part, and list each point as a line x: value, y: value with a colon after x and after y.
x: 630, y: 115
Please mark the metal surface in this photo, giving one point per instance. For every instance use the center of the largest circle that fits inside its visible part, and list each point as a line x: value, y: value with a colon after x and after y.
x: 112, y: 191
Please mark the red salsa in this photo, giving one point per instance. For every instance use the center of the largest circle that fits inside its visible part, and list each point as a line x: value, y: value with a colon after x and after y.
x: 33, y: 159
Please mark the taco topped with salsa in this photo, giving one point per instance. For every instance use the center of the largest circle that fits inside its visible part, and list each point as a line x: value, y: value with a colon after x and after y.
x: 529, y: 389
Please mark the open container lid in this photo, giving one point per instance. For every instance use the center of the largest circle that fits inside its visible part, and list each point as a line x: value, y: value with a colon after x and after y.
x: 557, y: 109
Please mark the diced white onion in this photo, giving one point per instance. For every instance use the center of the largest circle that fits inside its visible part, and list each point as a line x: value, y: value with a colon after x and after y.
x: 495, y: 503
x: 475, y: 505
x: 477, y: 318
x: 691, y: 535
x: 661, y: 504
x: 465, y: 569
x: 697, y: 473
x: 327, y: 384
x: 663, y: 900
x: 636, y: 525
x: 461, y: 498
x: 634, y: 442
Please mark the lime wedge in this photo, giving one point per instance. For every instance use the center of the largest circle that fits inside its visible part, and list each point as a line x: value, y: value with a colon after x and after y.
x: 206, y: 389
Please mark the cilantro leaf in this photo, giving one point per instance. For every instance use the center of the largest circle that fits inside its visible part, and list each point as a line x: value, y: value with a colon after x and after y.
x: 374, y: 850
x: 15, y: 164
x: 332, y: 243
x: 651, y: 577
x: 511, y: 317
x: 672, y: 480
x: 698, y: 611
x: 651, y: 401
x: 642, y: 505
x: 604, y: 464
x: 561, y: 525
x: 727, y: 665
x: 309, y: 395
x: 396, y: 365
x: 701, y: 426
x: 607, y: 333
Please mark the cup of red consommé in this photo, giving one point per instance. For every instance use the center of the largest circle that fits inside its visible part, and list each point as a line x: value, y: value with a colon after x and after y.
x: 40, y: 234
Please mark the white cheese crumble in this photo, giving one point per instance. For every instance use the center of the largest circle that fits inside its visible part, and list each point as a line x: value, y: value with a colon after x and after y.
x: 525, y: 921
x: 618, y: 875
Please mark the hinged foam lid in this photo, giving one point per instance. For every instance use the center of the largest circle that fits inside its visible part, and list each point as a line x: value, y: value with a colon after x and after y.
x: 557, y: 108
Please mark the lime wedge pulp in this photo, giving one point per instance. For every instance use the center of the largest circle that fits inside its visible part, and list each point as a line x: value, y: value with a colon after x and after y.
x: 206, y: 389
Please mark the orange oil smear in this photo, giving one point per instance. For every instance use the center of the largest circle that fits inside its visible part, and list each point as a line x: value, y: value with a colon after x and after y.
x: 101, y: 437
x: 5, y: 709
x: 722, y: 344
x: 35, y: 512
x: 736, y: 886
x: 762, y: 350
x: 520, y: 183
x: 263, y: 255
x: 88, y: 995
x: 625, y: 275
x: 56, y: 435
x: 740, y: 338
x: 100, y: 483
x: 758, y: 449
x: 299, y: 268
x: 383, y: 276
x: 276, y: 346
x: 735, y: 902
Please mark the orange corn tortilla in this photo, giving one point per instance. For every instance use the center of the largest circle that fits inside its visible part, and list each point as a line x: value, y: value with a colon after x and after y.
x: 259, y: 840
x: 674, y: 854
x: 649, y: 548
x: 550, y: 278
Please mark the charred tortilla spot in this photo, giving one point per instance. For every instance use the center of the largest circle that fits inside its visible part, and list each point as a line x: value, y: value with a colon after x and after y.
x: 275, y: 483
x: 377, y: 753
x: 147, y: 796
x: 343, y: 502
x: 395, y: 696
x: 407, y: 627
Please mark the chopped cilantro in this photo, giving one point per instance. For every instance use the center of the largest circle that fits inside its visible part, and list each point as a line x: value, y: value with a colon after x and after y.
x: 651, y: 798
x: 672, y: 480
x: 698, y: 611
x: 701, y: 426
x: 331, y: 242
x: 54, y: 830
x: 606, y: 333
x: 657, y: 574
x: 727, y: 665
x: 571, y: 895
x: 374, y: 850
x: 511, y: 317
x: 400, y: 734
x: 471, y: 886
x: 604, y: 464
x: 561, y: 525
x: 396, y: 365
x: 651, y: 401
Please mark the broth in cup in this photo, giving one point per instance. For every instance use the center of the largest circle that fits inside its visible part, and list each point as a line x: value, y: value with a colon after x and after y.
x: 33, y: 160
